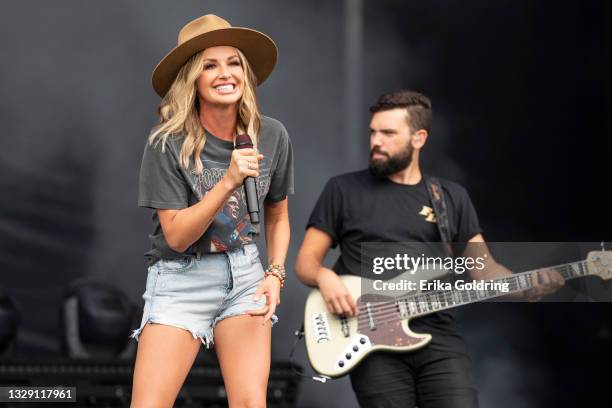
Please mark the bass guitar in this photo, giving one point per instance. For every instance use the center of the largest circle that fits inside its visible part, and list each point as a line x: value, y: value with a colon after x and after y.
x: 336, y: 344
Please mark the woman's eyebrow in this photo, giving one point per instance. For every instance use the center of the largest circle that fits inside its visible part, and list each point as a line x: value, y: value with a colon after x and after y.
x: 215, y: 60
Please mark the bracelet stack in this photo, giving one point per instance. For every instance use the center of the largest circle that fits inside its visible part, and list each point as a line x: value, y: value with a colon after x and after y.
x: 278, y: 271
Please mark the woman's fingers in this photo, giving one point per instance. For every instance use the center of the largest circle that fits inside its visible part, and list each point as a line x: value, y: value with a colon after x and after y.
x: 259, y: 312
x: 272, y: 308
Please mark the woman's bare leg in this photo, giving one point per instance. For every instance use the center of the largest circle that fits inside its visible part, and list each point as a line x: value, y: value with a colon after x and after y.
x: 165, y: 356
x: 243, y: 348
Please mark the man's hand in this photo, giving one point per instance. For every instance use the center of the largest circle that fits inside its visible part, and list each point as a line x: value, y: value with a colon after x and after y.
x: 335, y: 294
x: 543, y: 282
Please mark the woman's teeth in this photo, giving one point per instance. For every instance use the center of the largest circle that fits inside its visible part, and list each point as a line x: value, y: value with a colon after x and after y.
x: 224, y: 88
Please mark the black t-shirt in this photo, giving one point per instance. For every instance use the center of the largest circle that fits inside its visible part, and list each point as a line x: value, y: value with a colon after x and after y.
x: 358, y: 207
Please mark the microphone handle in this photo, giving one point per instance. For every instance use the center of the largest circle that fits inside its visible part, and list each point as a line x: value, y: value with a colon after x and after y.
x: 250, y: 192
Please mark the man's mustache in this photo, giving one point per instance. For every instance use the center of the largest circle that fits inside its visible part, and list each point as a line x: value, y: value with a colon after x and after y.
x: 377, y: 150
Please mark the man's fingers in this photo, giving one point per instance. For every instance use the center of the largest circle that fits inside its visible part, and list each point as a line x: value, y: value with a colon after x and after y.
x: 545, y: 277
x: 337, y: 307
x: 330, y: 307
x: 346, y: 307
x: 558, y: 279
x: 352, y: 303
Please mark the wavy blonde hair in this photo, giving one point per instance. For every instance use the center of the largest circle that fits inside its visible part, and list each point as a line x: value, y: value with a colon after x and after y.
x: 179, y: 111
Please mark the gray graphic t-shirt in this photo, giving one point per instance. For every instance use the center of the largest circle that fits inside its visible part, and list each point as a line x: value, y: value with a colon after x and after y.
x: 164, y: 184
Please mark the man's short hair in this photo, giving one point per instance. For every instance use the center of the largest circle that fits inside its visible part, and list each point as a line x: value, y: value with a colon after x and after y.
x: 417, y: 105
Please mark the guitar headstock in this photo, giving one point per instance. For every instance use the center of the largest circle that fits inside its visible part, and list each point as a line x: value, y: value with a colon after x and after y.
x: 600, y: 263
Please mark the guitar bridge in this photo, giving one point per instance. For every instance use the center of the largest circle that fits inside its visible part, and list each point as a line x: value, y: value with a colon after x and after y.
x: 321, y: 328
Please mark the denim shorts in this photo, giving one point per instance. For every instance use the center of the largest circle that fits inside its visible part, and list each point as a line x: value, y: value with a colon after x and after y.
x: 195, y: 293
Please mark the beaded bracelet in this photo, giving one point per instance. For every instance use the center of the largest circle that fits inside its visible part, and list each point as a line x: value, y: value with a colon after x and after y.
x: 278, y: 271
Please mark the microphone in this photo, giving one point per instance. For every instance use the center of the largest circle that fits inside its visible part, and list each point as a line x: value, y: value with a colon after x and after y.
x: 250, y: 191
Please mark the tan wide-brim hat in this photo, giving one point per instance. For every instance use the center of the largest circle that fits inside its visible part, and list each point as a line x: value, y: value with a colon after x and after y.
x: 209, y: 31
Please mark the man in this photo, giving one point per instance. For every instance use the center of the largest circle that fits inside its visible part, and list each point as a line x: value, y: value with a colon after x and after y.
x: 389, y: 202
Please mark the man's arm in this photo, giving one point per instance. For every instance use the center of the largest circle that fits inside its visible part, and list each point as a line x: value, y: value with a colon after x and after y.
x: 546, y: 281
x: 310, y: 271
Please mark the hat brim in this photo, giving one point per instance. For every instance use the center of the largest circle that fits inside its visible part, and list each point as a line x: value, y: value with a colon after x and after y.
x: 258, y: 48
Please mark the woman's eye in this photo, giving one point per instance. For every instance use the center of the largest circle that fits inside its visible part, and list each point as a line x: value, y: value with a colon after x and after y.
x: 236, y: 63
x: 209, y: 66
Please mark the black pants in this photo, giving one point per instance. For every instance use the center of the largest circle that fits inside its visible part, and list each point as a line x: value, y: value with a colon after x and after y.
x: 425, y: 378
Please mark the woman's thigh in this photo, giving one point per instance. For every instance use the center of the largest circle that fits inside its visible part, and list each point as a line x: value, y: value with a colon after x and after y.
x: 165, y: 356
x: 242, y: 344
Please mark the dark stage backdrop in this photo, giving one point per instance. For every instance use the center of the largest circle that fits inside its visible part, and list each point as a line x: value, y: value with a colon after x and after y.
x: 521, y: 119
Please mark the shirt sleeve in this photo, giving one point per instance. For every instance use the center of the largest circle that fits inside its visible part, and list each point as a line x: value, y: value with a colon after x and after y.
x: 161, y: 183
x: 327, y: 213
x: 467, y: 225
x: 281, y: 183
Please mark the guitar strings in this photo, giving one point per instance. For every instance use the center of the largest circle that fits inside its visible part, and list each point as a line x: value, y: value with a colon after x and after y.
x: 380, y: 312
x: 382, y: 309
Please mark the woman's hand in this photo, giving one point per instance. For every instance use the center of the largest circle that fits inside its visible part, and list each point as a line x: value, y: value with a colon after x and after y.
x: 244, y: 163
x: 270, y: 287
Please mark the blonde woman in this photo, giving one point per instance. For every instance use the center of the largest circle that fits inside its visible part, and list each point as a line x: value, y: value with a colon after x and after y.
x: 205, y: 281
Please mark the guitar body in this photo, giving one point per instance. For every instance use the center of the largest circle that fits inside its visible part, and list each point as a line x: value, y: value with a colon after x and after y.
x: 335, y: 345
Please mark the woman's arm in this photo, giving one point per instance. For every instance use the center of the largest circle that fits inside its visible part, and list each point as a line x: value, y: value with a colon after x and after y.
x: 277, y: 242
x: 184, y: 227
x: 277, y: 231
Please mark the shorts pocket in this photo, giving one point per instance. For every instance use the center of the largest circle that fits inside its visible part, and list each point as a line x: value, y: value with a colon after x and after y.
x: 176, y: 265
x: 252, y: 252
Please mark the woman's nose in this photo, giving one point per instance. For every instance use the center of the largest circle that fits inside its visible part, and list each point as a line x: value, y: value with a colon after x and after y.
x: 224, y: 74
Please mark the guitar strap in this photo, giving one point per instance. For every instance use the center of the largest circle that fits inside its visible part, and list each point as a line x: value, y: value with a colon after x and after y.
x: 436, y: 195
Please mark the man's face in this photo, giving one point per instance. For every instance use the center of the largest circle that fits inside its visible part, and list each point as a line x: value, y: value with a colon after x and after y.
x: 233, y: 207
x: 390, y: 148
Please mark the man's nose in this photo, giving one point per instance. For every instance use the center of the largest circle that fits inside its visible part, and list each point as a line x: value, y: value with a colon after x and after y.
x: 375, y: 140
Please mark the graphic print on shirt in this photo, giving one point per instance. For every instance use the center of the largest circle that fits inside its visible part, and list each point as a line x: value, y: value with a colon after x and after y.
x: 232, y: 226
x: 428, y: 213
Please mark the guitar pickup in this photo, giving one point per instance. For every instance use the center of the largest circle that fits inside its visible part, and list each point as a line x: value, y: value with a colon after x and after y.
x: 345, y: 326
x: 322, y: 332
x: 370, y: 317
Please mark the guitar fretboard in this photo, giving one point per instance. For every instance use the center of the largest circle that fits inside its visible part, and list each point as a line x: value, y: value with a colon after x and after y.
x: 413, y: 305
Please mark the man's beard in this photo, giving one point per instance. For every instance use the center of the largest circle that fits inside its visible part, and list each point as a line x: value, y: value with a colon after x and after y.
x: 384, y: 168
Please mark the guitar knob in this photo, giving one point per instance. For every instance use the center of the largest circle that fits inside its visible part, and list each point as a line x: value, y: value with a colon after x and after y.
x: 355, y: 348
x: 341, y: 363
x: 362, y: 340
x: 348, y: 356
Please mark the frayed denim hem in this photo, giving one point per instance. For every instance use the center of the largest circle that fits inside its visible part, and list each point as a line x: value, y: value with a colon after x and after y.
x: 206, y: 338
x: 273, y: 318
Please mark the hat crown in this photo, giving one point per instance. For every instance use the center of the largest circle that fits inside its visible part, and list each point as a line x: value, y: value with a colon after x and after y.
x: 201, y: 25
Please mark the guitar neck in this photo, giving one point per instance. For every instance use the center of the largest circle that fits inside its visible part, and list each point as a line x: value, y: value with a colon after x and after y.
x: 432, y: 301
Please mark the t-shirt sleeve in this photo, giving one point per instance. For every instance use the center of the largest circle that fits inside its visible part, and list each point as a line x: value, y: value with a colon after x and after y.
x: 467, y: 225
x: 281, y: 182
x: 327, y: 213
x: 161, y: 183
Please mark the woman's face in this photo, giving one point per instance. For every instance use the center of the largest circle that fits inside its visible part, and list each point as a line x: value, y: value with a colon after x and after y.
x: 222, y: 78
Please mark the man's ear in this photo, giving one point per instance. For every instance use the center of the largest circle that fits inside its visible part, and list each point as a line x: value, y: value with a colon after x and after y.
x: 419, y: 138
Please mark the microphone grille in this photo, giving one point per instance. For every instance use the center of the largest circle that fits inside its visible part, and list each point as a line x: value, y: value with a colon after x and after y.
x: 243, y: 141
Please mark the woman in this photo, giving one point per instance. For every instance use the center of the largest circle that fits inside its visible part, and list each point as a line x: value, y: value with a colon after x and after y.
x: 205, y: 281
